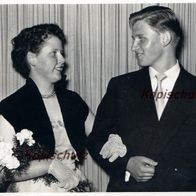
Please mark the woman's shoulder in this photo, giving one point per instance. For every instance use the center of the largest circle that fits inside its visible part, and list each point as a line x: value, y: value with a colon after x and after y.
x: 72, y: 95
x: 62, y: 90
x: 75, y: 101
x: 14, y: 97
x: 75, y: 97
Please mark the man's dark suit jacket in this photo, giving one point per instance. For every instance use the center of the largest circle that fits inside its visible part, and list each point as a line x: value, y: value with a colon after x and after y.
x: 128, y: 110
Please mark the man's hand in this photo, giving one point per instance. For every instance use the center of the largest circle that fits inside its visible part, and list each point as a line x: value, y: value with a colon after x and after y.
x: 141, y: 168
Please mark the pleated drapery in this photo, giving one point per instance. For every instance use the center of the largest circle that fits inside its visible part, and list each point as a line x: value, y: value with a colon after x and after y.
x: 99, y: 47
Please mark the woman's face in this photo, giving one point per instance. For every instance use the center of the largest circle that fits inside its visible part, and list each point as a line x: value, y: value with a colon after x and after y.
x: 49, y: 62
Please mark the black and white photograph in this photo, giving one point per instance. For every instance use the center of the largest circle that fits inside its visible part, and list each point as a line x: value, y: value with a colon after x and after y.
x: 98, y: 97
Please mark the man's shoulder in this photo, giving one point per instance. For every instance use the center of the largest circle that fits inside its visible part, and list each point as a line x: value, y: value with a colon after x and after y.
x: 131, y: 76
x: 189, y: 77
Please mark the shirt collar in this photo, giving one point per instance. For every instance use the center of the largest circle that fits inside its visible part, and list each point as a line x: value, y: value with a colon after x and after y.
x: 171, y: 73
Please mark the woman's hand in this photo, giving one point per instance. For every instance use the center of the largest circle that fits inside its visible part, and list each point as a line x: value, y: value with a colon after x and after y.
x: 70, y: 156
x: 64, y: 174
x: 113, y: 148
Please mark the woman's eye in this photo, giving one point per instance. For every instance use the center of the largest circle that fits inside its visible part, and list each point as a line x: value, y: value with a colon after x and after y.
x: 53, y: 53
x: 62, y: 53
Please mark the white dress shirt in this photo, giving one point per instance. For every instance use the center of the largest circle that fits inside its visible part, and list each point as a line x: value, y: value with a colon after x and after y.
x: 168, y: 83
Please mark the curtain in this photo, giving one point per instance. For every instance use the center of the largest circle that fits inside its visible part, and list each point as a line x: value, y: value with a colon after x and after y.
x: 99, y: 47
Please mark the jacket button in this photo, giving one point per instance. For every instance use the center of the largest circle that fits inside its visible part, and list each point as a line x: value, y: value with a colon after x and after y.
x: 175, y: 169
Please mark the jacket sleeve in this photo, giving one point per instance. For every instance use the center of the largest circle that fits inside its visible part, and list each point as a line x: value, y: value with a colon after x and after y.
x: 103, y: 126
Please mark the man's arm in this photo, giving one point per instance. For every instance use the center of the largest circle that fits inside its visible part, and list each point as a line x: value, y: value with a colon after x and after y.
x: 141, y: 168
x: 104, y: 125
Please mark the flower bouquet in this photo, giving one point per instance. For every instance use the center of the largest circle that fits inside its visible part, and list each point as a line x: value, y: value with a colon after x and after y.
x: 15, y: 158
x: 11, y: 158
x: 8, y: 163
x: 76, y: 182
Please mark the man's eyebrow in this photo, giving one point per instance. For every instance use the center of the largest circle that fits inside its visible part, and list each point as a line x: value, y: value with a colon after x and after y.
x: 137, y: 35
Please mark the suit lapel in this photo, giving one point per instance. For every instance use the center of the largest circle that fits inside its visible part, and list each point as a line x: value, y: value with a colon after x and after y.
x: 173, y: 114
x: 146, y: 105
x: 146, y: 111
x: 146, y: 100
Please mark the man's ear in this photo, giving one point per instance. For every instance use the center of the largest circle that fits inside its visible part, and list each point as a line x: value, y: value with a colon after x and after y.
x: 165, y: 38
x: 31, y: 58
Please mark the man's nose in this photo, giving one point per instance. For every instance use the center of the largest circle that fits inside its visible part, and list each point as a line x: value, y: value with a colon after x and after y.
x: 135, y: 46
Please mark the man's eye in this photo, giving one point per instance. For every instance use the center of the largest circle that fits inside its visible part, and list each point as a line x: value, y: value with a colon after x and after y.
x: 142, y: 39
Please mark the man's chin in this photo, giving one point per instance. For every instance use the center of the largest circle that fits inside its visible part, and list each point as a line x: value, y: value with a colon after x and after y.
x: 142, y: 65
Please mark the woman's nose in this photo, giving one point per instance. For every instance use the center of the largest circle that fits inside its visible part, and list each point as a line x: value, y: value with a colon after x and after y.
x: 61, y: 58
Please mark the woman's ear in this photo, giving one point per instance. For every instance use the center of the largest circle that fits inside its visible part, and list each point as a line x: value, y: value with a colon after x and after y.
x: 31, y: 58
x: 165, y: 38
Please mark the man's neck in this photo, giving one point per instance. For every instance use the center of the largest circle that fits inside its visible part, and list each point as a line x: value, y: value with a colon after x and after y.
x: 165, y: 64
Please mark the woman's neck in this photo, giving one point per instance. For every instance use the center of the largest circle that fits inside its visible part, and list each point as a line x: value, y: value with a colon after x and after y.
x: 45, y: 87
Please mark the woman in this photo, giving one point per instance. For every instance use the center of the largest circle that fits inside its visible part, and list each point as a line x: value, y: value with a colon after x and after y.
x: 56, y: 116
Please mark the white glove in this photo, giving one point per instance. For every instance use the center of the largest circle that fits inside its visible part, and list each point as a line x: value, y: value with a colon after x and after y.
x: 70, y: 158
x: 80, y: 175
x: 65, y: 175
x: 113, y: 148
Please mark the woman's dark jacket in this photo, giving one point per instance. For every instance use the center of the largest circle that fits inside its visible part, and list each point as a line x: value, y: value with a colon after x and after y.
x: 25, y: 110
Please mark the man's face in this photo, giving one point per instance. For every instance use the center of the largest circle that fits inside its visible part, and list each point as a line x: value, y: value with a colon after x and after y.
x: 146, y: 44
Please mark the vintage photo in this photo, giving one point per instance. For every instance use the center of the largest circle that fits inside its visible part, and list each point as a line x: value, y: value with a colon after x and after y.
x: 98, y: 97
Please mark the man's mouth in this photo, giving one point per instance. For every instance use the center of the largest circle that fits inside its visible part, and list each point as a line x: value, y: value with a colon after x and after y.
x: 139, y: 55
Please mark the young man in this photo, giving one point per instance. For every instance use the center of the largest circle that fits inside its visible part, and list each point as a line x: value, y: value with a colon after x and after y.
x: 153, y: 110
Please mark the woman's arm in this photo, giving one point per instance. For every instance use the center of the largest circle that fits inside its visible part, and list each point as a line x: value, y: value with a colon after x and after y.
x: 36, y: 168
x: 89, y: 122
x: 7, y: 131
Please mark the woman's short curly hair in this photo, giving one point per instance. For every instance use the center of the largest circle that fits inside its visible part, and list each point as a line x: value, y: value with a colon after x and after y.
x: 31, y: 39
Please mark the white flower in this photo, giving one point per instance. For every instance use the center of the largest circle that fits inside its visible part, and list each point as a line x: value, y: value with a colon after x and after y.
x: 6, y: 158
x: 11, y: 162
x: 25, y: 135
x: 5, y: 149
